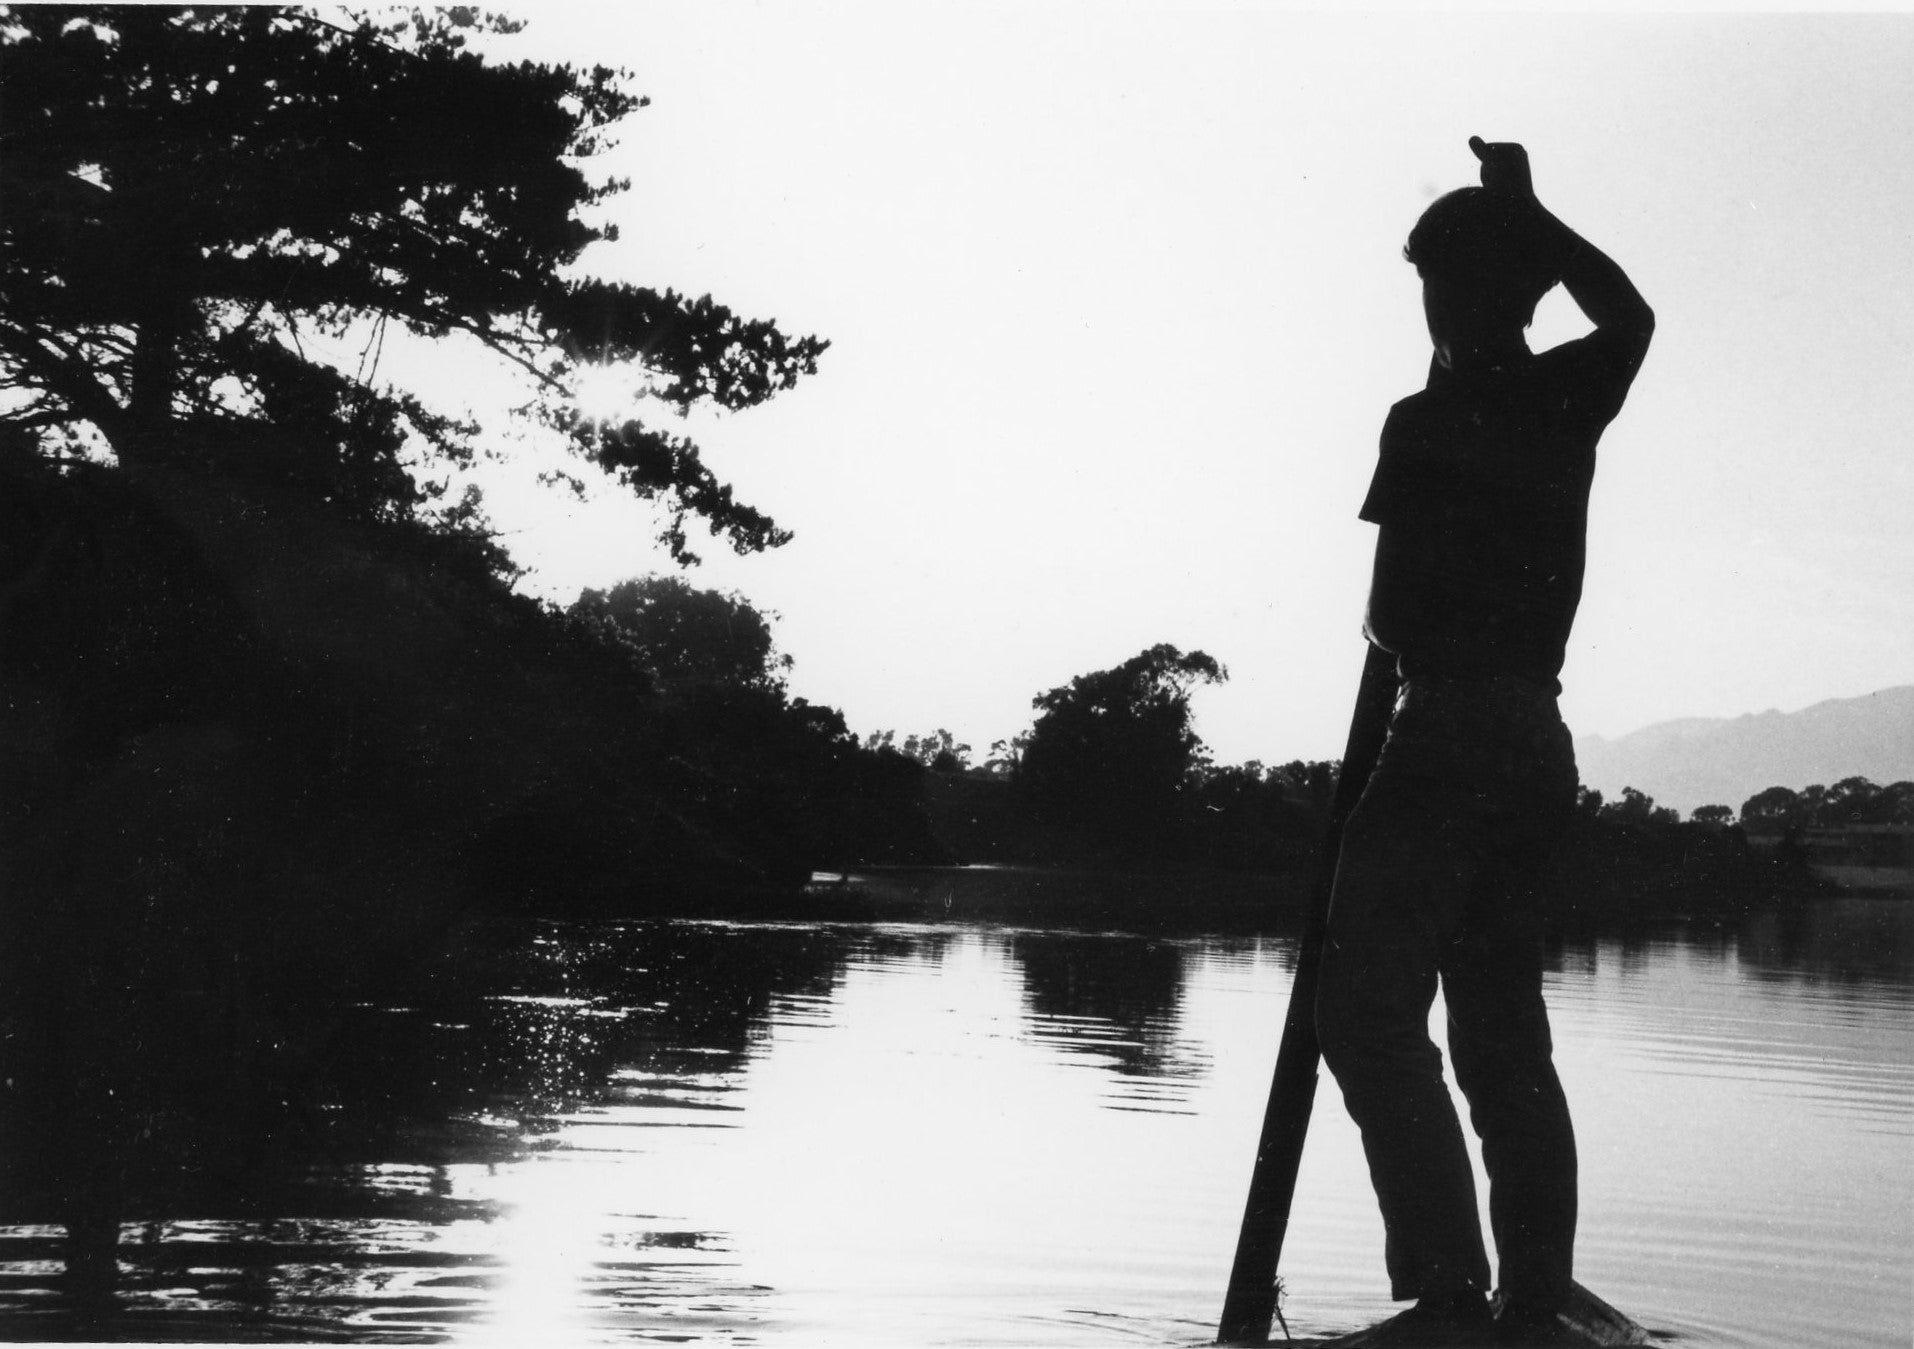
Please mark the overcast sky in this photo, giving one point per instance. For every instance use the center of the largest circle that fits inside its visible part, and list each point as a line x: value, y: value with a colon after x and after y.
x: 1117, y: 307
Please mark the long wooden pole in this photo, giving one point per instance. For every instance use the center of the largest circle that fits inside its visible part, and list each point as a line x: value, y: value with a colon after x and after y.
x: 1250, y: 1304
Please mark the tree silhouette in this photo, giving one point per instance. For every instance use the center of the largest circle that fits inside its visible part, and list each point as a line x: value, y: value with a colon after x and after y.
x: 686, y: 637
x: 1113, y: 753
x: 1252, y: 817
x: 939, y: 751
x: 1892, y: 804
x: 1775, y: 808
x: 202, y: 202
x: 1846, y: 801
x: 1637, y: 807
x: 1853, y: 800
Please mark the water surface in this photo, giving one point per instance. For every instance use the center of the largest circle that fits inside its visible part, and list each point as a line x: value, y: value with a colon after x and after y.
x: 969, y: 1134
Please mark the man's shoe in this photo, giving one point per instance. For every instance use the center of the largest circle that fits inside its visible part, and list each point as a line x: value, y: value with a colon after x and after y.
x: 1520, y: 1325
x: 1439, y: 1321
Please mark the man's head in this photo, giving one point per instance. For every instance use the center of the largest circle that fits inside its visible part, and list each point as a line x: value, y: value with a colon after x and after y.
x: 1485, y: 260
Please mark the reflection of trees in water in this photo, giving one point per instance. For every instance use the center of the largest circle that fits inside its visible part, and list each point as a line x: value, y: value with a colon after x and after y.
x: 930, y: 945
x: 1631, y: 948
x: 498, y: 1033
x: 1278, y: 948
x: 1845, y: 942
x: 1104, y: 995
x: 1850, y: 943
x: 533, y: 1028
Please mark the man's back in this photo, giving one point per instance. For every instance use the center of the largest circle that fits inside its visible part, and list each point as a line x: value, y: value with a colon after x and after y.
x: 1481, y: 492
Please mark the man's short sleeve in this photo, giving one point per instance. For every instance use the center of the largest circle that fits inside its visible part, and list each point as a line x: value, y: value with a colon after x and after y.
x: 1389, y: 497
x: 1593, y: 374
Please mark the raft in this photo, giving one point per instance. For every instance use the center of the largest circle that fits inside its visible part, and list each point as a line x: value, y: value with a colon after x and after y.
x: 1586, y: 1323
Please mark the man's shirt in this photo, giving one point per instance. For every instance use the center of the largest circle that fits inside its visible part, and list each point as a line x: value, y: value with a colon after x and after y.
x: 1481, y: 493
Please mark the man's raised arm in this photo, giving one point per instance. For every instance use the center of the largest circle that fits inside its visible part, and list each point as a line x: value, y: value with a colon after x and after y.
x: 1593, y: 279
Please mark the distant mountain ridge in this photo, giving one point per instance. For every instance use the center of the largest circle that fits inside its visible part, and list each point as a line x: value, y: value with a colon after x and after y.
x: 1693, y: 761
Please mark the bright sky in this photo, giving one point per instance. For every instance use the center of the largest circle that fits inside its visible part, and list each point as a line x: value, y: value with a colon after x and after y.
x: 1117, y: 308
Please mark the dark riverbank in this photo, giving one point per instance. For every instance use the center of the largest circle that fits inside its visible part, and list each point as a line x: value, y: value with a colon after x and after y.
x: 1223, y: 902
x: 1081, y: 899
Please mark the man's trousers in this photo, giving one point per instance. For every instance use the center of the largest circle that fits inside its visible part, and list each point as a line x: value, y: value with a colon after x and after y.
x: 1436, y: 880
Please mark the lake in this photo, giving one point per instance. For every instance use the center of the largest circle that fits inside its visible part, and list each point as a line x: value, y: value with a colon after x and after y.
x: 969, y: 1133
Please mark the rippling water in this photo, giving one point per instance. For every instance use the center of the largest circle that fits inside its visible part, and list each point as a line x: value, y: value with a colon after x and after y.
x: 722, y: 1133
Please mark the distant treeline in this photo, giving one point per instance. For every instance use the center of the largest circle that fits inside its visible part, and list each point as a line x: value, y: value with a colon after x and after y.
x: 1778, y: 810
x: 1631, y: 859
x: 1112, y: 775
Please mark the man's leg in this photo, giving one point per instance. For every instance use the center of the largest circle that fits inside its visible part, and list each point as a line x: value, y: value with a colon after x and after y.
x: 1500, y: 1045
x: 1398, y: 895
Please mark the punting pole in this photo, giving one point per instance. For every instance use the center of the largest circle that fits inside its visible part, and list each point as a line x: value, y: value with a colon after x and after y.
x: 1250, y: 1304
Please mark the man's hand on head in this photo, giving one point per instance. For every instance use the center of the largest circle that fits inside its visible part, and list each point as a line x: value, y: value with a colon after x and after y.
x: 1505, y: 167
x: 1595, y: 283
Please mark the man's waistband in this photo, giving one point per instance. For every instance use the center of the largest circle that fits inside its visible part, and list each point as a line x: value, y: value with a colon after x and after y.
x: 1422, y: 666
x: 1501, y: 691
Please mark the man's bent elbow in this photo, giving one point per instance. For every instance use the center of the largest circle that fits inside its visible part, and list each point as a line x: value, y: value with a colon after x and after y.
x: 1633, y: 326
x: 1644, y: 330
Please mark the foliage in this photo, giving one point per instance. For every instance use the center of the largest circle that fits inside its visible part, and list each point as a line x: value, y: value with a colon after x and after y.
x: 1261, y: 819
x: 202, y: 202
x: 798, y: 773
x: 1852, y: 800
x: 1311, y: 784
x: 938, y: 751
x: 1113, y: 755
x: 1005, y: 755
x: 1774, y: 805
x: 685, y: 637
x: 1633, y: 860
x: 1636, y: 807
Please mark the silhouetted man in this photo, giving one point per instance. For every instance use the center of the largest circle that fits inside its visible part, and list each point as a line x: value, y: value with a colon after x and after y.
x: 1481, y: 493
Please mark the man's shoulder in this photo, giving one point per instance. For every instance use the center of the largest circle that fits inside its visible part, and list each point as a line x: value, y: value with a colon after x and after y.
x: 1596, y: 369
x: 1412, y: 407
